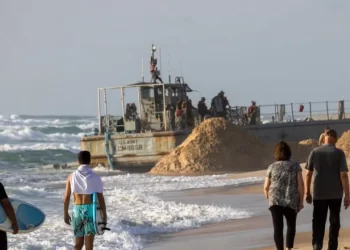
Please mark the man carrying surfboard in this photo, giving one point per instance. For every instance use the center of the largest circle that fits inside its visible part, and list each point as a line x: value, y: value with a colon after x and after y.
x: 83, y: 183
x: 6, y: 204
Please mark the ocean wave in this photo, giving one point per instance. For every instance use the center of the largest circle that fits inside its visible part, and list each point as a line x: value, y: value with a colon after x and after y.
x: 29, y: 135
x: 39, y: 147
x: 14, y: 117
x: 87, y: 126
x: 21, y: 122
x: 15, y: 120
x: 156, y: 184
x: 60, y: 129
x: 20, y: 156
x: 153, y: 215
x: 27, y: 139
x: 132, y: 214
x: 28, y: 191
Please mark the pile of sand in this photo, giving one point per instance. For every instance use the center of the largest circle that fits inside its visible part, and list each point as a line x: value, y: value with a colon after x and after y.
x: 301, y: 150
x: 308, y: 142
x: 344, y: 143
x: 215, y: 145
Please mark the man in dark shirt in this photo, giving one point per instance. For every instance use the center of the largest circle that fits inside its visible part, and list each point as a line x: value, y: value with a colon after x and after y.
x: 327, y: 165
x: 5, y: 202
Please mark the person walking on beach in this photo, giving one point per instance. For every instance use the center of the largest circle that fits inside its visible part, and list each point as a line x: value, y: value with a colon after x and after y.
x: 322, y: 136
x: 327, y: 165
x: 6, y: 204
x: 83, y: 183
x: 284, y: 189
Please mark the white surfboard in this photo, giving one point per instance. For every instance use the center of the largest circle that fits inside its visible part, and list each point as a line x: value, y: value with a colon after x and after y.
x: 97, y: 215
x: 29, y: 217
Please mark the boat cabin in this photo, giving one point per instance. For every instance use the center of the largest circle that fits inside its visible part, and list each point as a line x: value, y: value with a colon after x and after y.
x: 155, y: 103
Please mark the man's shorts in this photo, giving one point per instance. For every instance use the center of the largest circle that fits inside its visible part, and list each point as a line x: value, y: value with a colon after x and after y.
x: 82, y: 220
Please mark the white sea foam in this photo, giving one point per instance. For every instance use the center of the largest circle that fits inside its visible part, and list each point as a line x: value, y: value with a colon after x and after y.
x: 73, y: 147
x: 27, y: 134
x: 14, y: 117
x: 154, y: 184
x: 135, y: 207
x: 134, y: 210
x: 17, y: 121
x: 87, y: 126
x: 13, y: 121
x: 27, y: 191
x: 19, y: 133
x: 151, y: 214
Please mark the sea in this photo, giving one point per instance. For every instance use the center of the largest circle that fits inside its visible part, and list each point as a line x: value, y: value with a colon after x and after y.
x: 137, y: 210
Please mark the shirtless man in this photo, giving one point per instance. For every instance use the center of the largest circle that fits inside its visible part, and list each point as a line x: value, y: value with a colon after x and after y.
x: 322, y: 136
x: 83, y: 183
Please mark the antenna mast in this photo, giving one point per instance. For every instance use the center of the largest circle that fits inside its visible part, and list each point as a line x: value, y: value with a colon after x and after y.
x: 180, y: 67
x: 169, y: 68
x: 142, y: 72
x: 160, y: 62
x: 153, y: 63
x: 178, y: 51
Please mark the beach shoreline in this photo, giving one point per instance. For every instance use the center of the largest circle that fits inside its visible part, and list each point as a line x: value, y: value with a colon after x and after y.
x: 255, y: 232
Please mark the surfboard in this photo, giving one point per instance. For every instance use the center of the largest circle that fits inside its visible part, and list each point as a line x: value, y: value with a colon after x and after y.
x: 29, y: 217
x: 97, y: 215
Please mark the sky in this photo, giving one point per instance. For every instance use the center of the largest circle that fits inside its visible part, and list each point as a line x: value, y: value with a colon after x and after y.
x: 55, y: 54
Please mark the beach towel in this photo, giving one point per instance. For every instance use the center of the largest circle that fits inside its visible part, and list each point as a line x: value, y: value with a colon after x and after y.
x: 85, y: 181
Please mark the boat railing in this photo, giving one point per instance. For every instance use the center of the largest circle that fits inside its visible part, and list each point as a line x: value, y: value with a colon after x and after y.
x: 104, y: 112
x: 304, y: 111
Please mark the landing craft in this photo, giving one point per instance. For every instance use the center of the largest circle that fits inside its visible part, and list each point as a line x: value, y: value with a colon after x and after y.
x: 148, y: 128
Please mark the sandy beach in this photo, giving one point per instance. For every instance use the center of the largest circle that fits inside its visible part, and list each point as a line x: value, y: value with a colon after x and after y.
x: 252, y: 233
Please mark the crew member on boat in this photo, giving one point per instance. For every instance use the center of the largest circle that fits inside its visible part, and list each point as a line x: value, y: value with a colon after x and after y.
x: 179, y: 116
x: 202, y: 108
x: 218, y: 105
x: 153, y: 67
x: 252, y: 113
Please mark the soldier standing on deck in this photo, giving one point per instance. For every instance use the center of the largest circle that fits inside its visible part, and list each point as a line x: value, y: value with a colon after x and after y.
x: 218, y: 105
x: 252, y: 113
x: 202, y: 108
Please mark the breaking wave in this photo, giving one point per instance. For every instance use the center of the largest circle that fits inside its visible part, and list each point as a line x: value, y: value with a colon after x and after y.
x: 42, y: 133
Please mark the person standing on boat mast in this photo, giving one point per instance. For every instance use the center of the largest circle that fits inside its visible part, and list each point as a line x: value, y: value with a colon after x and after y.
x: 153, y: 69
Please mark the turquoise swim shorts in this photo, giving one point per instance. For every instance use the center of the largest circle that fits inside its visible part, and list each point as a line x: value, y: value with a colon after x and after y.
x: 82, y: 220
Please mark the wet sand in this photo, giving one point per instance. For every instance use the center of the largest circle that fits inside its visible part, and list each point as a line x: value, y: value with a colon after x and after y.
x: 251, y: 233
x: 303, y: 241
